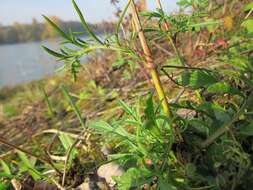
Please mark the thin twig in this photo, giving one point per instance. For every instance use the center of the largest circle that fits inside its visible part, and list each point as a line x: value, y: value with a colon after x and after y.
x: 163, y: 49
x: 170, y: 77
x: 189, y: 68
x: 250, y: 12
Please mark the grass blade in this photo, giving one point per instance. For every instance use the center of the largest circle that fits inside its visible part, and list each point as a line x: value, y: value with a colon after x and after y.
x: 49, y: 105
x: 73, y: 105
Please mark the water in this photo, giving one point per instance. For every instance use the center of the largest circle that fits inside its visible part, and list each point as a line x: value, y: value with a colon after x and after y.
x: 20, y: 63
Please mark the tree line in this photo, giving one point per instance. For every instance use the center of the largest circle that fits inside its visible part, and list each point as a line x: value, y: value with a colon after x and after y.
x: 36, y: 31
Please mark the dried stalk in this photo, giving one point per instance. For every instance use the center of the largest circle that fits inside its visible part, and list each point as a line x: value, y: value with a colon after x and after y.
x: 150, y: 62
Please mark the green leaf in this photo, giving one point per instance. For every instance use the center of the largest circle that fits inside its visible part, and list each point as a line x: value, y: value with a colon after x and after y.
x: 198, y: 79
x: 184, y: 3
x: 199, y: 126
x: 150, y: 112
x: 163, y: 185
x: 121, y: 20
x: 190, y: 170
x: 54, y: 53
x: 105, y: 127
x: 246, y: 130
x: 85, y: 25
x: 5, y: 167
x: 29, y: 165
x: 5, y: 175
x: 248, y: 7
x: 118, y: 63
x: 73, y: 105
x: 133, y: 178
x: 248, y: 24
x: 49, y: 104
x: 222, y: 88
x: 127, y: 108
x: 206, y: 24
x: 57, y: 28
x: 67, y: 143
x: 220, y: 113
x: 4, y: 186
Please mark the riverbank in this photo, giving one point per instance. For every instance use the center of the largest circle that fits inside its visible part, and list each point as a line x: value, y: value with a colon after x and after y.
x: 169, y: 106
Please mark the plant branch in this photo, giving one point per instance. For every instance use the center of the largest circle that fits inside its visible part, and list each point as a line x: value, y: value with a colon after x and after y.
x: 167, y: 27
x: 150, y: 62
x: 189, y: 68
x: 226, y: 126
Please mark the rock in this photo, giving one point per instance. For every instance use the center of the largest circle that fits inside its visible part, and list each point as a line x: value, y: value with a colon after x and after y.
x: 42, y: 185
x: 93, y: 183
x: 108, y: 171
x: 84, y: 186
x: 186, y: 113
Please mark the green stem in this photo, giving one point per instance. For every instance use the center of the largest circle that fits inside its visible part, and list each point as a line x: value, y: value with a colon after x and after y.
x: 150, y: 62
x: 226, y: 126
x: 166, y: 26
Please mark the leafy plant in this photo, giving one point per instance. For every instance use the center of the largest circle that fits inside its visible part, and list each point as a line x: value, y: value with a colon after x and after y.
x: 199, y: 139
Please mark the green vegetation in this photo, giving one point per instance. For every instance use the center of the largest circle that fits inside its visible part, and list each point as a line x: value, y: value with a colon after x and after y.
x: 169, y: 97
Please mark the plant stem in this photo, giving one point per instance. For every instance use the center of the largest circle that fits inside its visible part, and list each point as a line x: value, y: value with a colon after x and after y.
x: 227, y: 126
x: 150, y: 62
x: 167, y: 26
x: 159, y: 5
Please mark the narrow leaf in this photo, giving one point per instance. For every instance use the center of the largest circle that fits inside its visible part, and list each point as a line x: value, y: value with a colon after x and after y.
x: 57, y: 28
x: 5, y: 167
x: 85, y: 25
x: 53, y: 53
x: 121, y: 19
x: 73, y: 105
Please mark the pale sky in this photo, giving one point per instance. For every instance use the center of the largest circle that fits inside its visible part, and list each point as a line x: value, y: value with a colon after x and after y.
x: 94, y: 10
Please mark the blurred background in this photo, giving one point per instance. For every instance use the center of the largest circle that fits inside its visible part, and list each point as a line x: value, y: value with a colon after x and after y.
x: 23, y: 31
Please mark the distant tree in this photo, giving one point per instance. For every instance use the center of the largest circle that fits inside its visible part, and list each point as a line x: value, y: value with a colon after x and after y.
x: 10, y: 35
x: 35, y: 30
x: 38, y: 31
x: 20, y: 31
x: 1, y: 34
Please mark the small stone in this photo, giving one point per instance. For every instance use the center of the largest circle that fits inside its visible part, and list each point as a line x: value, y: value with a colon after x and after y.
x: 110, y: 170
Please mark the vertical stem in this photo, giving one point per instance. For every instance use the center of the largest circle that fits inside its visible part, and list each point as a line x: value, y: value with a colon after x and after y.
x: 159, y: 5
x: 150, y: 62
x: 167, y: 26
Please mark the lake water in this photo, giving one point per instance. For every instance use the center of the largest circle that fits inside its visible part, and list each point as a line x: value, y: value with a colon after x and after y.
x: 24, y: 62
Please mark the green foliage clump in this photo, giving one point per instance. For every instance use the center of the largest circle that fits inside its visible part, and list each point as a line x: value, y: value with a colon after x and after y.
x: 206, y: 143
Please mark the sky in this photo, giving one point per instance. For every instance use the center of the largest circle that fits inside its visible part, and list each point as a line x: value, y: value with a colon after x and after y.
x: 94, y: 10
